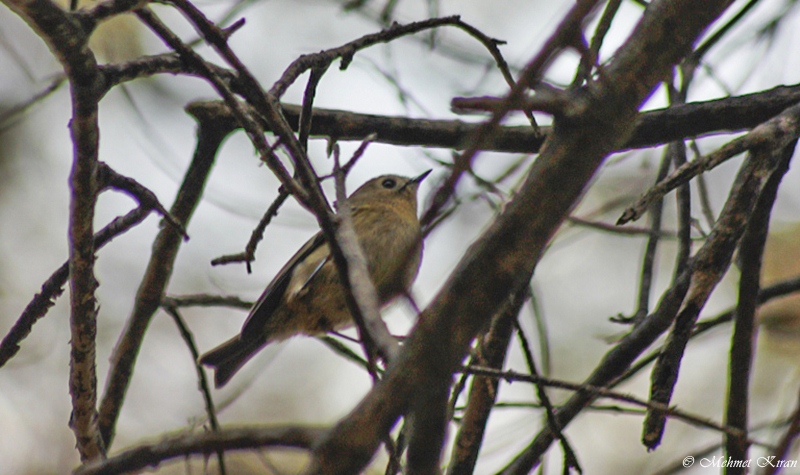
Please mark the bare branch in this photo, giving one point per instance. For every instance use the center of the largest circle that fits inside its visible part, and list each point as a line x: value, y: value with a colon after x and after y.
x: 68, y: 41
x: 570, y: 459
x: 157, y: 275
x: 54, y: 286
x: 766, y: 294
x: 362, y: 298
x: 11, y: 115
x: 347, y: 52
x: 106, y: 9
x: 751, y: 249
x: 590, y: 57
x: 107, y: 177
x: 245, y: 120
x: 558, y: 41
x: 344, y: 248
x: 202, y: 381
x: 707, y: 269
x: 204, y: 300
x: 535, y: 196
x: 602, y: 392
x: 153, y: 454
x: 651, y: 128
x: 785, y: 443
x: 309, y: 194
x: 491, y: 353
x: 776, y: 132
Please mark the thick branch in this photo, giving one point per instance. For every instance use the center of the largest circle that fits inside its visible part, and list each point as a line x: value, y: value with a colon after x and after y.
x: 68, y: 41
x: 651, y: 128
x: 654, y: 127
x: 83, y: 317
x: 483, y: 392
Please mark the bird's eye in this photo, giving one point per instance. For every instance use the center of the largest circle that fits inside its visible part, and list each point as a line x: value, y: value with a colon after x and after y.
x: 388, y: 183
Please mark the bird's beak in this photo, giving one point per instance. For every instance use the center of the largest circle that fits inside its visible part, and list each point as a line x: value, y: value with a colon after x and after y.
x: 415, y: 181
x: 421, y: 177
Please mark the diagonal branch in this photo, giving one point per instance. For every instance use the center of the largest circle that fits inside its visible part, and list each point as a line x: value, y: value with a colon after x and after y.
x: 776, y: 132
x: 54, y: 285
x: 742, y: 349
x: 561, y: 39
x: 252, y: 128
x: 705, y: 271
x: 108, y: 178
x: 361, y: 296
x: 157, y: 276
x: 483, y: 391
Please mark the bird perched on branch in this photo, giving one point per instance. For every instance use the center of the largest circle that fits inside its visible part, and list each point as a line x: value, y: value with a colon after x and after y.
x: 307, y: 297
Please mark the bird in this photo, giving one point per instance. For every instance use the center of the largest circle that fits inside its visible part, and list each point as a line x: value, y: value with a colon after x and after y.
x: 306, y: 296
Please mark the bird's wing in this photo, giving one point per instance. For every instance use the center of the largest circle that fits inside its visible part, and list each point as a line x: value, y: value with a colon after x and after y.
x: 271, y: 297
x: 306, y: 271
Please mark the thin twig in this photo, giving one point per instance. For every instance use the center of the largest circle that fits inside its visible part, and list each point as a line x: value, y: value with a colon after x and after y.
x: 347, y: 51
x: 254, y: 131
x: 601, y: 392
x: 616, y: 229
x: 249, y: 254
x: 648, y: 261
x: 11, y: 115
x: 54, y: 285
x: 107, y: 177
x: 202, y: 382
x: 570, y: 459
x: 205, y: 300
x: 307, y: 112
x: 702, y: 191
x: 766, y: 294
x: 307, y: 191
x: 344, y: 351
x: 559, y: 40
x: 590, y: 57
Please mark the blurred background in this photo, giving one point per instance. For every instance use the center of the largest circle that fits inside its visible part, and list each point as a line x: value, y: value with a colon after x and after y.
x: 586, y: 277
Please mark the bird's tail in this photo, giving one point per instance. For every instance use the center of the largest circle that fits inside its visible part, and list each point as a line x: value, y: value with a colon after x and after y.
x: 229, y: 357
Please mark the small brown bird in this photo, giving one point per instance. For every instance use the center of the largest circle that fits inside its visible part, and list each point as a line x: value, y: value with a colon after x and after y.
x: 306, y: 297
